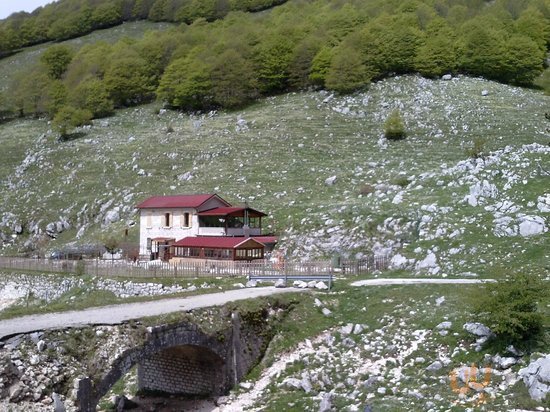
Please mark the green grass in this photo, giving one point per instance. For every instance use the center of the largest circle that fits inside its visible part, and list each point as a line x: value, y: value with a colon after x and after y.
x: 398, y: 310
x: 279, y: 164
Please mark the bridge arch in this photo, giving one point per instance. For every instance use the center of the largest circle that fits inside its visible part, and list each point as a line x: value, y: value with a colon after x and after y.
x: 174, y: 359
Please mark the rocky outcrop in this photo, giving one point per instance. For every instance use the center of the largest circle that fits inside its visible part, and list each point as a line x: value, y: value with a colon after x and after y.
x: 536, y: 377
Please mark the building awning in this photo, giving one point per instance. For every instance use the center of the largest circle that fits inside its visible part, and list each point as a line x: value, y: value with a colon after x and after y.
x: 232, y: 211
x: 162, y: 239
x: 219, y: 242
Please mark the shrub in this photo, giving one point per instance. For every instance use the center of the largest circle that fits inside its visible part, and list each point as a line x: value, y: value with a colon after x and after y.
x: 510, y: 309
x: 394, y: 127
x: 477, y: 151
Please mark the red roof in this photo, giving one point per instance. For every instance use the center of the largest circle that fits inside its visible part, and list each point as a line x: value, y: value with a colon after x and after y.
x: 176, y: 201
x: 215, y: 242
x: 233, y: 211
x: 266, y: 239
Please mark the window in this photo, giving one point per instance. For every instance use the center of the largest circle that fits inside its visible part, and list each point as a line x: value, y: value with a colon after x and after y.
x: 186, y: 220
x: 167, y: 219
x: 149, y: 243
x: 149, y: 219
x: 211, y: 221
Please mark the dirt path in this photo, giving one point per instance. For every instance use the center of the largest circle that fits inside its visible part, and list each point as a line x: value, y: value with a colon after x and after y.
x: 114, y: 314
x: 417, y: 281
x: 110, y: 315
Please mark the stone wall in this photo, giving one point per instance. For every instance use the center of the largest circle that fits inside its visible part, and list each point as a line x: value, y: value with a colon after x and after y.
x: 188, y: 370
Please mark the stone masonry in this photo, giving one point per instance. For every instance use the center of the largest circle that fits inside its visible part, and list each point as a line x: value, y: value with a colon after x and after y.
x: 188, y: 370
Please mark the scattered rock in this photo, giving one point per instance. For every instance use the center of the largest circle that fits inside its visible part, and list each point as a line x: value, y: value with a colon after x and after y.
x: 251, y: 284
x: 326, y: 402
x: 531, y: 226
x: 330, y: 180
x: 536, y: 377
x: 444, y: 325
x: 280, y: 283
x: 300, y: 284
x: 434, y: 366
x: 41, y: 346
x: 485, y: 92
x: 321, y: 286
x: 477, y: 329
x: 58, y: 404
x: 326, y: 312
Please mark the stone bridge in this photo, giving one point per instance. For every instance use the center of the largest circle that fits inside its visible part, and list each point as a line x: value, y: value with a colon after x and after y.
x: 182, y: 357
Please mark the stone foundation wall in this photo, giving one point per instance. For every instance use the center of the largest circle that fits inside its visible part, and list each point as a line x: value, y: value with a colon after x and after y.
x: 188, y: 370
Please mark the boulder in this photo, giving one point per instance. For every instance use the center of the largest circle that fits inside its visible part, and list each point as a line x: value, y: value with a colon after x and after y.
x: 292, y: 383
x: 326, y: 312
x: 251, y: 284
x: 346, y: 330
x: 444, y: 325
x: 536, y: 377
x: 429, y: 261
x: 326, y: 402
x: 434, y: 366
x: 531, y: 226
x: 111, y: 216
x: 41, y: 346
x: 398, y: 262
x: 321, y: 286
x: 478, y: 329
x: 280, y: 283
x: 58, y: 404
x: 330, y: 180
x: 503, y: 363
x: 447, y: 77
x: 485, y: 92
x: 543, y: 203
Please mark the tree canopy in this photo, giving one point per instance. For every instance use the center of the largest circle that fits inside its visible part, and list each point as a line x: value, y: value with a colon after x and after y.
x: 224, y: 57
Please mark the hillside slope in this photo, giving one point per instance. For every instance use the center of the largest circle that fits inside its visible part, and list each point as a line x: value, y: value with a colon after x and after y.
x: 422, y: 197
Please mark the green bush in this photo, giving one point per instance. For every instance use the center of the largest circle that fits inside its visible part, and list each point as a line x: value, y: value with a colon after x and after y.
x: 510, y: 308
x: 394, y: 127
x: 477, y: 151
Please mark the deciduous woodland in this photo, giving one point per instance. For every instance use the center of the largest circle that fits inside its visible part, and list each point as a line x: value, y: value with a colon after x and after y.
x: 222, y: 54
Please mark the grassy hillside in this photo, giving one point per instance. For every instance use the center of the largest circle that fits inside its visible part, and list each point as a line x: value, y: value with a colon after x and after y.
x: 278, y: 154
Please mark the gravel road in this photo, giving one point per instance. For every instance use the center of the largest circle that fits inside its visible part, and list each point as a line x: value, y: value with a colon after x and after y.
x: 111, y: 315
x: 114, y: 314
x: 417, y: 281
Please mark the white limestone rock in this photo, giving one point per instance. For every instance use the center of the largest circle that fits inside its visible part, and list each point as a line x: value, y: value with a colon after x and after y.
x: 398, y: 262
x: 536, y: 377
x: 280, y: 283
x: 532, y: 226
x: 478, y: 329
x: 330, y: 180
x: 430, y: 261
x: 251, y: 284
x: 444, y: 325
x: 326, y: 311
x: 434, y: 366
x: 321, y: 286
x: 543, y: 203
